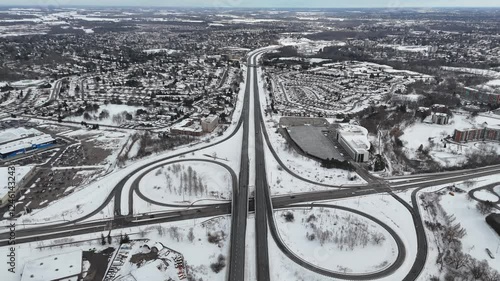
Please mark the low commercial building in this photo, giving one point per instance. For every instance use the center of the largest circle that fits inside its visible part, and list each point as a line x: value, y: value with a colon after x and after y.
x: 354, y: 139
x: 209, y: 123
x: 66, y: 266
x: 21, y: 175
x: 25, y: 145
x: 477, y: 134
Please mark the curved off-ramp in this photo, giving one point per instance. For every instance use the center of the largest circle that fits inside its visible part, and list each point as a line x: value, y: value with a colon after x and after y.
x: 335, y: 274
x: 135, y: 184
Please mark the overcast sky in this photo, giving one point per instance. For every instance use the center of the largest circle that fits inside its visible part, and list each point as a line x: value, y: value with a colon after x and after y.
x: 264, y: 3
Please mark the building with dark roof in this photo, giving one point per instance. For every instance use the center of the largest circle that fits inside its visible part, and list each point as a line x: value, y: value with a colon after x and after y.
x: 494, y: 221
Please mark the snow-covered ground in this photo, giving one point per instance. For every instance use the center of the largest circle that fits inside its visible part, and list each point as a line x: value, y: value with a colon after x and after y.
x: 485, y: 195
x: 198, y: 253
x: 113, y: 110
x: 18, y: 173
x: 302, y: 166
x: 380, y: 206
x: 394, y: 215
x: 479, y: 235
x: 186, y: 182
x: 430, y: 136
x: 403, y: 48
x: 88, y: 198
x: 305, y: 45
x: 347, y: 237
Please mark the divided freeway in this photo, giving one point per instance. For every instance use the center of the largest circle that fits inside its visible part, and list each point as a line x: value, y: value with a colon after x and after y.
x: 255, y: 138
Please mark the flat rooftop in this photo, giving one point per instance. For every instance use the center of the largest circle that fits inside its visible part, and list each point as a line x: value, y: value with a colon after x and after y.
x: 12, y: 134
x: 20, y: 173
x: 54, y: 267
x: 312, y: 141
x: 24, y: 143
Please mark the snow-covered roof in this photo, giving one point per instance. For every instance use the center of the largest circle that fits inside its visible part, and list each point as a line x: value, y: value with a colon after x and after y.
x: 356, y: 136
x: 441, y: 114
x: 54, y: 267
x: 352, y: 129
x: 155, y: 270
x: 187, y: 125
x: 24, y: 143
x: 20, y: 173
x: 17, y: 133
x: 210, y: 118
x: 27, y: 83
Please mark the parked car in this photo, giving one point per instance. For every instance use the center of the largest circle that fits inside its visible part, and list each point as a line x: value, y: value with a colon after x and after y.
x: 489, y: 253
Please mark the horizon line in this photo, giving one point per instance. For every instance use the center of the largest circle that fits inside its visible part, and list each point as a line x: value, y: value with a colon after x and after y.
x: 241, y: 7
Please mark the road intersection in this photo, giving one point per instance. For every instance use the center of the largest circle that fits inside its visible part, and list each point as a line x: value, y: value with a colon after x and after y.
x: 252, y: 172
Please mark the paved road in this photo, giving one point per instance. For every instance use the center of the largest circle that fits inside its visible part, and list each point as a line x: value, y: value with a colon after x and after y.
x: 261, y: 189
x: 240, y: 202
x: 306, y: 264
x: 263, y: 202
x: 135, y: 185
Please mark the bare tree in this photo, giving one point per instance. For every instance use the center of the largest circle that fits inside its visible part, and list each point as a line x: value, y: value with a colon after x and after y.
x: 453, y: 232
x: 378, y: 237
x: 190, y: 235
x: 484, y: 207
x: 492, y: 275
x: 479, y: 269
x: 457, y: 259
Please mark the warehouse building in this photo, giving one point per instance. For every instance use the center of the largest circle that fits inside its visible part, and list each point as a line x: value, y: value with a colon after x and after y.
x: 22, y: 174
x: 25, y: 145
x: 65, y: 266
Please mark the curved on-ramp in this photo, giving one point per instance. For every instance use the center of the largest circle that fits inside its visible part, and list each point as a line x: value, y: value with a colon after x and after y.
x: 341, y: 275
x: 135, y: 184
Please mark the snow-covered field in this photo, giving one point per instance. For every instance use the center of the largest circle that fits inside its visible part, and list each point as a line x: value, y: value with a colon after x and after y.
x: 305, y: 45
x: 479, y: 235
x: 430, y: 136
x: 404, y: 48
x: 186, y: 182
x: 486, y: 195
x: 385, y: 208
x: 302, y: 166
x: 113, y: 110
x: 381, y: 206
x: 335, y: 240
x: 198, y: 253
